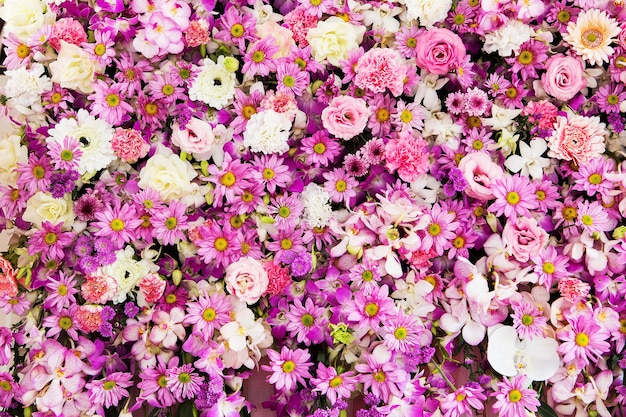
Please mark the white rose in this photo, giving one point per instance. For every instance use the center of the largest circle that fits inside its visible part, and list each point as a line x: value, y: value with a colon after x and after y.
x: 333, y: 38
x: 25, y: 17
x: 43, y: 207
x: 166, y: 173
x: 11, y: 153
x: 74, y: 68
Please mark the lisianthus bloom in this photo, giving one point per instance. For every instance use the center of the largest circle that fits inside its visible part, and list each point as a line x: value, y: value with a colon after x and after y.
x: 345, y: 116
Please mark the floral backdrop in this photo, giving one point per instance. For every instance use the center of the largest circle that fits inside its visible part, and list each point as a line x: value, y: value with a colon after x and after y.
x: 378, y: 208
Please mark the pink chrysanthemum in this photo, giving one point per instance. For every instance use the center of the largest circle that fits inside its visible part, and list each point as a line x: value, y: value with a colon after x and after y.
x: 273, y: 171
x: 66, y: 154
x: 291, y: 78
x: 35, y: 175
x: 61, y: 291
x: 592, y: 177
x: 288, y: 368
x: 236, y: 28
x: 340, y: 186
x: 382, y: 375
x: 102, y: 50
x: 232, y: 178
x: 50, y: 241
x: 594, y: 218
x: 110, y: 390
x: 550, y: 266
x: 307, y: 322
x: 109, y: 103
x: 514, y: 195
x: 286, y: 210
x: 259, y: 60
x: 465, y: 401
x: 153, y: 384
x: 117, y: 223
x: 216, y: 244
x: 528, y: 320
x: 370, y: 310
x: 332, y: 384
x: 320, y: 148
x: 513, y: 399
x: 582, y: 341
x: 207, y: 314
x: 440, y: 230
x: 170, y: 223
x: 184, y: 382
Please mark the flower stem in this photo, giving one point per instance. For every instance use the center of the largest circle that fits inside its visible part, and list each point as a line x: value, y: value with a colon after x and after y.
x: 445, y: 377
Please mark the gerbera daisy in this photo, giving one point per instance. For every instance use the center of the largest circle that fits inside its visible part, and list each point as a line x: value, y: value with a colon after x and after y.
x: 592, y: 34
x: 259, y: 60
x: 183, y: 382
x: 291, y: 78
x: 50, y: 241
x: 109, y: 103
x: 583, y: 340
x: 170, y: 223
x: 320, y: 148
x: 117, y: 223
x: 528, y: 320
x: 286, y: 210
x: 288, y: 368
x: 333, y: 384
x: 594, y: 218
x: 110, y: 390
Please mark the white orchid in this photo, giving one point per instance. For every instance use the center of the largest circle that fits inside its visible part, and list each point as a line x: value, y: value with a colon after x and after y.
x: 529, y: 162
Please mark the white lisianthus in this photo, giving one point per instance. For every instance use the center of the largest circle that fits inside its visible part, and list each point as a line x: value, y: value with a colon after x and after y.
x: 74, y: 68
x: 25, y: 86
x: 42, y: 207
x: 127, y: 272
x: 12, y: 152
x: 214, y: 85
x: 267, y: 132
x: 508, y: 39
x: 166, y: 173
x: 94, y: 136
x: 529, y: 162
x: 316, y: 202
x: 25, y: 17
x: 333, y: 38
x: 510, y: 356
x: 428, y: 12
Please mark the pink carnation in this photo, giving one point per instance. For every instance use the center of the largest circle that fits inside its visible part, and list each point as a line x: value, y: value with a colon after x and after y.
x: 8, y: 279
x: 541, y: 112
x: 299, y: 21
x: 197, y: 33
x: 345, y: 117
x: 408, y: 156
x: 280, y: 102
x: 573, y: 289
x: 68, y: 30
x: 152, y: 287
x: 128, y: 145
x: 439, y: 50
x: 88, y: 318
x: 578, y: 139
x: 379, y: 69
x: 99, y: 288
x: 278, y: 276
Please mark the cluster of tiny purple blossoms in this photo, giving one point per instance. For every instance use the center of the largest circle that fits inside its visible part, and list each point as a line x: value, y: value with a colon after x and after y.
x: 394, y: 208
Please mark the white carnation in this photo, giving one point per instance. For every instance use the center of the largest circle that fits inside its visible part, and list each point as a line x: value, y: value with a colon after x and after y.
x: 94, y: 136
x: 26, y: 86
x: 428, y: 12
x: 267, y: 132
x: 316, y: 202
x: 215, y: 85
x: 127, y: 272
x: 507, y: 39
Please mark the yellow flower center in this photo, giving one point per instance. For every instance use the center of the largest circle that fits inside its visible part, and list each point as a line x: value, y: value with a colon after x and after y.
x: 511, y: 92
x: 595, y: 179
x: 477, y: 144
x: 39, y: 171
x: 117, y: 225
x: 382, y: 115
x: 527, y: 320
x: 591, y: 38
x: 62, y: 290
x: 284, y: 212
x: 612, y: 99
x: 459, y: 19
x: 228, y: 179
x: 171, y: 223
x: 512, y: 198
x: 51, y: 238
x: 162, y: 381
x: 100, y: 49
x: 184, y: 378
x: 208, y: 314
x: 570, y: 213
x: 367, y: 276
x: 525, y: 58
x: 541, y: 195
x: 406, y: 116
x: 335, y: 382
x: 400, y: 333
x: 548, y: 267
x: 307, y: 320
x: 563, y: 16
x: 151, y: 109
x: 167, y: 89
x: 247, y: 196
x: 258, y: 56
x: 479, y: 211
x: 515, y: 395
x: 434, y: 229
x: 582, y: 339
x: 379, y: 376
x: 109, y: 385
x: 319, y: 148
x: 587, y: 220
x: 65, y: 322
x: 170, y: 298
x: 23, y: 51
x: 248, y: 111
x: 113, y: 100
x: 268, y: 174
x: 371, y: 309
x: 289, y: 81
x: 5, y: 385
x: 220, y: 244
x: 288, y: 366
x: 473, y: 121
x: 458, y: 242
x: 237, y: 30
x: 286, y: 244
x: 236, y: 222
x: 56, y: 98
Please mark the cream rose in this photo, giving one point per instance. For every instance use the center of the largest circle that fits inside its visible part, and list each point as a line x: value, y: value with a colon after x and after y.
x: 74, y: 68
x: 43, y: 207
x: 333, y: 38
x: 11, y: 153
x: 167, y: 174
x: 246, y: 279
x: 25, y: 17
x: 282, y: 36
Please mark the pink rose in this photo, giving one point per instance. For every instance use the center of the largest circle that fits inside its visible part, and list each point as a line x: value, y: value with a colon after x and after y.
x: 577, y: 139
x: 564, y: 77
x: 524, y: 238
x: 379, y: 69
x: 197, y: 138
x: 246, y: 279
x: 345, y: 117
x: 480, y: 172
x: 439, y: 51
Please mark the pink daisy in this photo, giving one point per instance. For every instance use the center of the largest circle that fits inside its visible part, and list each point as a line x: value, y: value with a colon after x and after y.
x: 109, y: 103
x: 403, y: 332
x: 61, y: 291
x: 440, y: 230
x: 259, y: 60
x: 207, y: 314
x: 288, y: 368
x: 291, y: 78
x: 216, y: 244
x: 117, y: 223
x: 332, y: 384
x: 528, y: 320
x: 102, y: 50
x: 65, y: 154
x: 465, y: 401
x: 370, y: 310
x: 273, y: 171
x: 513, y: 399
x: 235, y: 28
x: 514, y: 195
x: 592, y: 177
x: 320, y: 148
x: 582, y: 340
x: 286, y: 210
x: 232, y: 178
x: 110, y: 390
x: 35, y: 175
x: 164, y: 87
x: 550, y: 266
x: 50, y: 241
x: 382, y: 375
x: 183, y: 382
x: 170, y: 223
x: 153, y: 384
x: 340, y: 186
x: 307, y: 322
x: 594, y: 218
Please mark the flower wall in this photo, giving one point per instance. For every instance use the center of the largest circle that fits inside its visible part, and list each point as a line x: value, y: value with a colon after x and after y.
x: 412, y: 208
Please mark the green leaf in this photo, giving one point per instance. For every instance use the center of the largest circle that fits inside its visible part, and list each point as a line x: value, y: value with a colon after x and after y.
x: 545, y: 410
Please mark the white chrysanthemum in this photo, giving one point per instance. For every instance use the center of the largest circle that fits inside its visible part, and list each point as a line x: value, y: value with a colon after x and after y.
x: 592, y: 34
x: 507, y: 39
x: 316, y: 202
x: 428, y: 12
x: 267, y: 132
x: 26, y: 86
x: 94, y: 136
x: 215, y: 85
x: 127, y: 272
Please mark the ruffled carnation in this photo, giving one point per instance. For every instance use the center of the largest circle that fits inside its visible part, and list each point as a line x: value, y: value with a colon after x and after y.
x: 278, y: 278
x: 152, y: 287
x: 88, y: 318
x: 407, y: 155
x: 379, y: 69
x: 267, y: 132
x: 99, y: 288
x: 128, y: 145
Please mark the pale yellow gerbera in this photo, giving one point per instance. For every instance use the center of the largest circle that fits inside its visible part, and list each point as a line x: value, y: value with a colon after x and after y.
x: 592, y: 35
